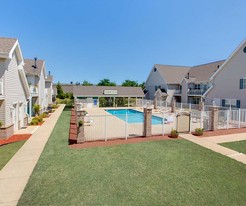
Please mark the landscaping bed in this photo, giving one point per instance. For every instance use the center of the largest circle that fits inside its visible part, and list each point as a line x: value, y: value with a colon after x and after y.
x: 222, y: 132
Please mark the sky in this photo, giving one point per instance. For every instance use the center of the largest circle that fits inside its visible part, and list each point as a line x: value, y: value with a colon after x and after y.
x: 122, y: 39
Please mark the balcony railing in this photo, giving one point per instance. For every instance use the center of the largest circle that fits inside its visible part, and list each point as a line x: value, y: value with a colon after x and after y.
x: 177, y: 91
x: 197, y: 91
x: 33, y: 89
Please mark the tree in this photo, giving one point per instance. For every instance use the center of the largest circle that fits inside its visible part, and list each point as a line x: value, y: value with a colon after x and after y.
x: 86, y: 83
x: 106, y: 82
x: 60, y: 93
x: 129, y: 83
x: 142, y: 85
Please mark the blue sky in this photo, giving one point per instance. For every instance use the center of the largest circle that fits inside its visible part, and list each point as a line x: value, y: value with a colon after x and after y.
x: 122, y: 39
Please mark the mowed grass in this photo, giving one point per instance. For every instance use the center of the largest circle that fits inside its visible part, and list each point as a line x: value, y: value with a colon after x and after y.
x: 172, y: 172
x: 239, y: 146
x: 8, y: 151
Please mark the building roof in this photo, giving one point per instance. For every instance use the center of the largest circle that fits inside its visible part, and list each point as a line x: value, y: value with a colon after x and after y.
x: 6, y: 45
x: 172, y: 74
x: 29, y: 69
x: 79, y: 90
x: 202, y: 73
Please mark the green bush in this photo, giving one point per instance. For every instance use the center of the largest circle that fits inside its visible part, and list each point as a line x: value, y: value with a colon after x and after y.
x: 80, y: 123
x: 40, y: 119
x: 34, y: 121
x: 198, y: 131
x: 43, y: 115
x: 36, y: 108
x: 174, y: 133
x: 1, y: 124
x: 54, y: 106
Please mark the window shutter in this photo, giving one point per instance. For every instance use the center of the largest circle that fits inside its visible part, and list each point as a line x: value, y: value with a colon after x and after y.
x: 241, y: 84
x: 223, y: 102
x: 238, y: 103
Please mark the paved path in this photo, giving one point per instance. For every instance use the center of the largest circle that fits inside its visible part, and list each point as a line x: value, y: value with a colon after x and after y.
x: 15, y: 175
x: 212, y: 144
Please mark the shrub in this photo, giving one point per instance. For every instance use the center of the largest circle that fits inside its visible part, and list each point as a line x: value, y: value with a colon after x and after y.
x: 198, y: 131
x: 34, y: 121
x: 80, y: 123
x: 36, y: 108
x: 43, y: 115
x: 54, y: 106
x: 174, y: 133
x: 1, y: 124
x: 39, y: 118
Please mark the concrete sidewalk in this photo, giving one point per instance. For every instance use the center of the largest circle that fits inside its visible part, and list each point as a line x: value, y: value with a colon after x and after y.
x: 212, y: 144
x: 15, y: 175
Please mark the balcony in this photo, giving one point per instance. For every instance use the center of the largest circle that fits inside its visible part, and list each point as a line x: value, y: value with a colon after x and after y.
x: 196, y: 91
x: 177, y: 92
x: 33, y: 90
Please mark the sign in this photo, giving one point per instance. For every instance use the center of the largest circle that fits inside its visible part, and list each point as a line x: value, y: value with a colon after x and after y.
x: 110, y: 92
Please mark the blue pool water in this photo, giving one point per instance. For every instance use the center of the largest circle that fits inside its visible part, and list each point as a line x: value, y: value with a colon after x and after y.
x: 133, y: 116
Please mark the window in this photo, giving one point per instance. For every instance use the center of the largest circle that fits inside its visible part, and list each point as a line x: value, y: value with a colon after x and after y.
x: 234, y: 103
x: 197, y: 86
x: 242, y: 83
x: 244, y: 50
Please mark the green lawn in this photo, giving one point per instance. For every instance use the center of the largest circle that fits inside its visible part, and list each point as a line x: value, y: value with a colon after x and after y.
x: 8, y: 151
x: 173, y: 172
x: 239, y: 146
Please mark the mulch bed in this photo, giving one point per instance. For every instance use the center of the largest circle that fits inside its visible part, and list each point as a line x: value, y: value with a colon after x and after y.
x: 222, y: 132
x: 120, y: 141
x: 15, y: 138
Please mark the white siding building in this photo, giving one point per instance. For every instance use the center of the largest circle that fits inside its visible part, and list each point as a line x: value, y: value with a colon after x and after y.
x: 14, y: 91
x: 35, y: 72
x: 229, y: 82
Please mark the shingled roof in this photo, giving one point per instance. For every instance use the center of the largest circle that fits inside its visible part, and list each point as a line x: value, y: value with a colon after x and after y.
x: 6, y: 45
x: 172, y: 74
x: 202, y: 73
x: 29, y: 69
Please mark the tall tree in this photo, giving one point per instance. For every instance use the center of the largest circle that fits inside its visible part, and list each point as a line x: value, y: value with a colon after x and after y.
x: 129, y: 83
x: 60, y: 93
x: 86, y: 83
x: 106, y: 82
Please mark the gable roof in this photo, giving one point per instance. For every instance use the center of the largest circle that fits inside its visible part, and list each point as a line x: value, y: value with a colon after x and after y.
x: 203, y: 73
x: 6, y: 45
x: 28, y: 66
x: 229, y: 58
x: 172, y: 74
x: 79, y: 90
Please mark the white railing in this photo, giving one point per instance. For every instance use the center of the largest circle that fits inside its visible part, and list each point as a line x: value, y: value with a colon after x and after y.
x: 177, y: 91
x: 196, y: 91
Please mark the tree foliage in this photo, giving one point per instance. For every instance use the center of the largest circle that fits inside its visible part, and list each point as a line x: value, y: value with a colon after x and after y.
x: 106, y: 82
x: 60, y: 93
x: 129, y: 83
x: 142, y: 85
x: 86, y: 83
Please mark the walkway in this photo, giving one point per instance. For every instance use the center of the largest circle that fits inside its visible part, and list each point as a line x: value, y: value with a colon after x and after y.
x: 14, y: 176
x: 212, y: 144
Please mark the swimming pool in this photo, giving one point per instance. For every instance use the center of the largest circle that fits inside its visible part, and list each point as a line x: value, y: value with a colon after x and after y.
x: 132, y: 116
